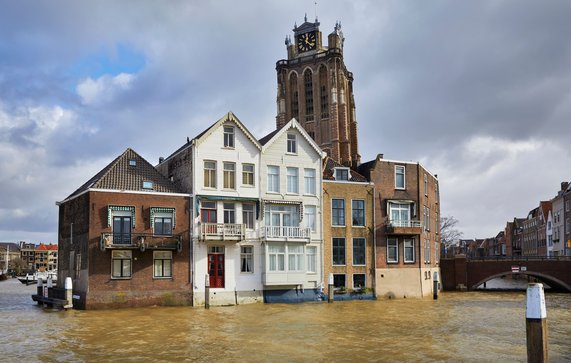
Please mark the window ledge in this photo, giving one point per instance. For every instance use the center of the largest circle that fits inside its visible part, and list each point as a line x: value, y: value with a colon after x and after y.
x: 162, y: 278
x: 357, y: 226
x: 400, y: 188
x: 228, y: 147
x: 289, y: 153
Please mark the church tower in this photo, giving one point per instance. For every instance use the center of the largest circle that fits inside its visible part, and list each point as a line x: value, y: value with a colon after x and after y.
x: 315, y: 87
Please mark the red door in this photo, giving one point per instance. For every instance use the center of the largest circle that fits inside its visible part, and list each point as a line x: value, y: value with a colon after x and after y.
x: 216, y: 269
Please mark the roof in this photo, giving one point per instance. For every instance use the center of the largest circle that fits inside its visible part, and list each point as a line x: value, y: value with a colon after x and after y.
x: 292, y: 124
x: 545, y: 207
x: 264, y: 140
x: 47, y: 247
x: 328, y: 171
x: 365, y: 168
x: 13, y: 246
x: 120, y: 175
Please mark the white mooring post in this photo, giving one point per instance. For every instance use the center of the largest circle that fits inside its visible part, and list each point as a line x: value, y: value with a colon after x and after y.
x: 207, y: 292
x: 40, y: 289
x: 536, y: 324
x: 50, y: 286
x: 330, y: 289
x: 68, y: 293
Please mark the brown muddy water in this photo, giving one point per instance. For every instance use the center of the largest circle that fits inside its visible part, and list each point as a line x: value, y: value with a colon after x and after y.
x: 468, y: 327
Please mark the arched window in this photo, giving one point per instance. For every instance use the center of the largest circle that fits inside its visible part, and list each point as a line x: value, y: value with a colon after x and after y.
x: 294, y: 102
x: 324, y: 94
x: 308, y: 82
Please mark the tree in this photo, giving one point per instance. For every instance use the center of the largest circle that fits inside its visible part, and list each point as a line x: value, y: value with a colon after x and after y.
x: 449, y: 234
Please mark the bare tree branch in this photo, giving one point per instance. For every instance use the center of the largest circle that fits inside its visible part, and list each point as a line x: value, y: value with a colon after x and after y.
x: 449, y: 234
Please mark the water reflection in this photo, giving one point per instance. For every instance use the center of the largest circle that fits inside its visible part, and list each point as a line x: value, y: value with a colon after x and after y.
x: 474, y: 326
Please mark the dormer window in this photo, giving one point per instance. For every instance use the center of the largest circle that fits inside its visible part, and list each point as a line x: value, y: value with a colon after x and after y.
x: 228, y: 136
x: 132, y: 162
x: 342, y: 174
x: 148, y: 185
x: 291, y: 144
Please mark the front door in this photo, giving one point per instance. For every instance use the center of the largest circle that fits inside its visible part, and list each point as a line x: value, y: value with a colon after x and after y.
x: 216, y: 266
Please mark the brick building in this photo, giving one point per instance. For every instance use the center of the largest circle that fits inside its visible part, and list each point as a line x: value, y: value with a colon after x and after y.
x: 123, y: 238
x: 406, y: 227
x: 348, y: 225
x: 46, y: 257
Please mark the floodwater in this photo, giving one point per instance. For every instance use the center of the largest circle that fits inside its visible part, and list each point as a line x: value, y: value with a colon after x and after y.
x: 480, y: 326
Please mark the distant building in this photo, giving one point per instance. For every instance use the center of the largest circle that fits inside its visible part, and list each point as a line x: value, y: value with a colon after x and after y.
x: 530, y: 246
x: 407, y: 227
x: 46, y: 257
x: 123, y: 238
x: 567, y: 211
x: 9, y: 252
x: 28, y: 254
x: 558, y: 216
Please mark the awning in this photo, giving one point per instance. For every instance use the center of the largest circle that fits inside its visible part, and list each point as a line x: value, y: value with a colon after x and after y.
x: 226, y: 198
x: 286, y: 202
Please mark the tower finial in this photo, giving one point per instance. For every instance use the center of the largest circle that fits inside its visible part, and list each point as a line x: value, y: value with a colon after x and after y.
x: 305, y: 18
x: 316, y: 12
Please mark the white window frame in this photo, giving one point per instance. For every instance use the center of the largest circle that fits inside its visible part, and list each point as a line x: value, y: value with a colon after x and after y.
x: 230, y: 213
x: 353, y: 281
x: 291, y: 143
x: 425, y: 185
x: 247, y: 174
x: 229, y: 136
x: 403, y: 168
x: 116, y: 255
x: 244, y: 257
x: 310, y: 216
x: 340, y: 172
x: 211, y: 174
x: 396, y: 248
x: 292, y: 180
x: 311, y: 252
x: 411, y: 247
x: 342, y: 209
x: 295, y: 258
x: 249, y: 215
x: 231, y: 172
x: 344, y: 251
x: 364, y: 250
x: 353, y: 210
x: 273, y: 179
x: 162, y: 256
x: 309, y: 178
x: 280, y: 251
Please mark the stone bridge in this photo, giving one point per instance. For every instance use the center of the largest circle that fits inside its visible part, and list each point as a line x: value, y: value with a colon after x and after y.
x: 461, y: 273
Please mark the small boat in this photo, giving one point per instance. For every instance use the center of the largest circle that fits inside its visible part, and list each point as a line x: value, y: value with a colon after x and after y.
x: 33, y: 278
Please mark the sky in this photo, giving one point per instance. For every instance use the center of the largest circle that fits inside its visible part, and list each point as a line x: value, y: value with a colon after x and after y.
x: 479, y: 92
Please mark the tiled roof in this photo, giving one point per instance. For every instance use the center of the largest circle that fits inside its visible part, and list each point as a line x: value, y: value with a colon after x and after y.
x: 328, y: 170
x: 45, y: 247
x: 264, y: 140
x: 13, y: 246
x: 120, y: 175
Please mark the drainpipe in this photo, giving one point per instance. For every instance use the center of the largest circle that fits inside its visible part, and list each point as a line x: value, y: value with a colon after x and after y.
x: 421, y: 230
x: 374, y: 282
x: 321, y: 221
x: 192, y: 200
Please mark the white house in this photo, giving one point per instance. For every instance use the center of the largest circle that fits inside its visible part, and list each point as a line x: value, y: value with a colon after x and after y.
x: 291, y: 227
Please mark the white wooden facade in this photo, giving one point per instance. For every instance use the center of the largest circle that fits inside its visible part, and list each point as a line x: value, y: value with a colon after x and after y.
x: 291, y: 193
x: 225, y: 180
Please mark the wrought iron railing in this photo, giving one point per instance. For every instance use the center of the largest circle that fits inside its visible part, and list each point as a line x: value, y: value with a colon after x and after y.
x: 286, y: 232
x: 140, y: 240
x: 404, y: 223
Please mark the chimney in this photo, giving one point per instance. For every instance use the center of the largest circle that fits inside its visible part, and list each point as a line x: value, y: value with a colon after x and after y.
x: 564, y: 185
x: 161, y: 159
x: 380, y: 156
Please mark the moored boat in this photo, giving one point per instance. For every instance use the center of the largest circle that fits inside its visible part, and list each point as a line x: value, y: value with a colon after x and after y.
x: 33, y: 278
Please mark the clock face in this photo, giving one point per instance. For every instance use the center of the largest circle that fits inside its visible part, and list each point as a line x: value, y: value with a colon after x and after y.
x: 306, y: 41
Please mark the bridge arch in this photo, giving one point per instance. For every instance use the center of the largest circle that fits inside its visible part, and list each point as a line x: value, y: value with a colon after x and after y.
x: 553, y: 282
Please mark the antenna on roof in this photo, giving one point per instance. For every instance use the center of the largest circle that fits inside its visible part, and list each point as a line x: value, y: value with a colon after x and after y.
x: 316, y: 11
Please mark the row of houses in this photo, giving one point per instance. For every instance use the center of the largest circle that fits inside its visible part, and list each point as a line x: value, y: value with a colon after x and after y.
x: 254, y: 220
x: 28, y: 256
x: 545, y: 231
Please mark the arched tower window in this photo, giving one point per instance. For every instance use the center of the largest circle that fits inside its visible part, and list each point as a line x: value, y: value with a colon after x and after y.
x: 294, y: 96
x: 323, y: 92
x: 308, y: 83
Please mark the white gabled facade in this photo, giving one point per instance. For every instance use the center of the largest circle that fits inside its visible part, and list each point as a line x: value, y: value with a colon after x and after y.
x: 291, y: 226
x: 225, y: 179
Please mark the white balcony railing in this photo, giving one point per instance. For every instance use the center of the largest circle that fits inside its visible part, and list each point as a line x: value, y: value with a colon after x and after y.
x: 286, y: 232
x: 222, y: 231
x: 405, y: 223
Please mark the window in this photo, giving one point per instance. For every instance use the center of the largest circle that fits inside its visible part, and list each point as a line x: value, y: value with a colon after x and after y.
x: 121, y: 229
x: 338, y: 281
x: 294, y: 95
x: 400, y: 214
x: 295, y: 257
x: 229, y: 213
x: 425, y: 185
x: 427, y: 251
x: 408, y: 250
x: 208, y: 212
x: 358, y: 211
x: 359, y: 251
x: 132, y: 162
x: 311, y: 259
x: 392, y: 250
x: 292, y: 180
x: 229, y: 175
x: 427, y: 219
x: 162, y: 262
x: 341, y: 174
x: 210, y: 174
x: 248, y: 174
x: 291, y: 144
x: 228, y: 136
x: 358, y: 281
x: 399, y: 177
x: 567, y: 205
x: 338, y: 251
x: 309, y: 176
x: 338, y: 212
x: 273, y: 179
x: 147, y: 184
x: 309, y: 212
x: 248, y: 215
x: 163, y: 226
x: 121, y: 264
x: 276, y: 254
x: 308, y: 85
x: 324, y: 96
x: 247, y: 259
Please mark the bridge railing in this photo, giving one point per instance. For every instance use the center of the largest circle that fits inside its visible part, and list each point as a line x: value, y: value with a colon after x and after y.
x: 518, y: 258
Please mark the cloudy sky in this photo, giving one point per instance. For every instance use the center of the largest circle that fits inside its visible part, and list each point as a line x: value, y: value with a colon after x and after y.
x: 479, y: 92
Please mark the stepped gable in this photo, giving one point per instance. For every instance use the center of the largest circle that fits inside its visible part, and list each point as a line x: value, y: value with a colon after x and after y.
x: 121, y: 175
x: 328, y: 171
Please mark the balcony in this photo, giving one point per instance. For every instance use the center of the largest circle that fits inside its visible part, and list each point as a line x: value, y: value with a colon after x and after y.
x: 222, y: 232
x: 142, y: 241
x: 403, y: 227
x: 276, y: 233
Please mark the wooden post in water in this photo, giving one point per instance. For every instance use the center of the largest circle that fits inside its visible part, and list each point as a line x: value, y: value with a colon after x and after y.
x: 207, y: 292
x: 435, y: 286
x: 536, y: 324
x: 330, y: 289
